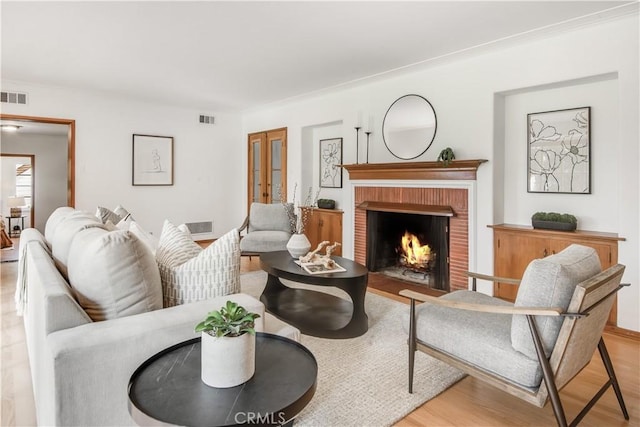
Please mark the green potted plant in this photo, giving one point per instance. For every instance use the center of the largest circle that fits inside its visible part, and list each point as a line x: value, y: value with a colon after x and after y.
x: 228, y: 346
x: 446, y: 156
x: 554, y: 221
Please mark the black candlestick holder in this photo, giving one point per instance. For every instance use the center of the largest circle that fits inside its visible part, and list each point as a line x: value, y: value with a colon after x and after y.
x: 357, y: 128
x: 368, y: 133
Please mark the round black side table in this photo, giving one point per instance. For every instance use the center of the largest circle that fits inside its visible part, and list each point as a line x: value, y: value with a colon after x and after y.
x: 167, y: 389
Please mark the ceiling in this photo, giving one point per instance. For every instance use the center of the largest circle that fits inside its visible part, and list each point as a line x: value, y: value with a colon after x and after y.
x: 235, y: 56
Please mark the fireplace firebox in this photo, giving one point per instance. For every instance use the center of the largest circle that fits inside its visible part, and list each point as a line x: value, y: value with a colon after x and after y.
x: 409, y: 246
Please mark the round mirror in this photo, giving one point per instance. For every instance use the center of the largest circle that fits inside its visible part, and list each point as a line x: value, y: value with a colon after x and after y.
x: 409, y: 127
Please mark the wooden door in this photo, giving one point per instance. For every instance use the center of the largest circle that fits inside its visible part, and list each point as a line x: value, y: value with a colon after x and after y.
x: 267, y: 168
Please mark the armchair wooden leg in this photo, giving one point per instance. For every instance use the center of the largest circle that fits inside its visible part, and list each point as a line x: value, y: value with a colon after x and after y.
x: 412, y: 342
x: 604, y: 354
x: 547, y: 374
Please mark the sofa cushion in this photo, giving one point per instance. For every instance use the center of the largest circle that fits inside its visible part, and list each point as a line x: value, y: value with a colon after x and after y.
x: 271, y: 217
x: 113, y: 274
x: 550, y: 282
x: 64, y: 234
x: 191, y: 274
x: 54, y: 220
x: 482, y: 339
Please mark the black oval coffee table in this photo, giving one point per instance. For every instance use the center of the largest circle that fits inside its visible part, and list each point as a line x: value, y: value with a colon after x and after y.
x: 316, y: 313
x: 167, y: 388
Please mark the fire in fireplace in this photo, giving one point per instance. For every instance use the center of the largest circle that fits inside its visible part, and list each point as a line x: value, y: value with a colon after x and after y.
x: 415, y: 256
x: 409, y: 246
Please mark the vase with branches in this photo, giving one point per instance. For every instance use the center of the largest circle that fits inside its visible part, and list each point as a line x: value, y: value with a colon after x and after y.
x: 299, y: 214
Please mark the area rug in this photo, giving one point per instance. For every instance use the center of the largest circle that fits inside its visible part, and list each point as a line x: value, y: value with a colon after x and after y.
x: 363, y: 381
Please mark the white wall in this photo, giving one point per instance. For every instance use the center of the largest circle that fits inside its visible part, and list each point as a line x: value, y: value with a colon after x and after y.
x: 311, y: 158
x: 50, y: 172
x: 468, y: 93
x: 208, y: 185
x: 602, y: 97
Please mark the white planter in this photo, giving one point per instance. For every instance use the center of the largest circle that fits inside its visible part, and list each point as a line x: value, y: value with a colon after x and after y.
x: 298, y: 245
x: 228, y: 361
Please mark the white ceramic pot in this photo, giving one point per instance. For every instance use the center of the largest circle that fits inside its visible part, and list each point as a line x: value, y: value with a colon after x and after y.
x: 228, y: 361
x: 298, y: 245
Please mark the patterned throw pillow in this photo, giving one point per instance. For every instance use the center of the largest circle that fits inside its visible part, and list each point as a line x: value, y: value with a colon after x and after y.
x: 119, y: 217
x: 190, y: 274
x: 105, y: 214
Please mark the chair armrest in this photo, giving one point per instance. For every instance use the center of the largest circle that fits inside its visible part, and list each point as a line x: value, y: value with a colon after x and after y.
x: 244, y: 225
x: 492, y: 278
x: 499, y: 309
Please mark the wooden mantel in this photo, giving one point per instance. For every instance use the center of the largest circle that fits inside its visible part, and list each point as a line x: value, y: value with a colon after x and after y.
x: 457, y: 170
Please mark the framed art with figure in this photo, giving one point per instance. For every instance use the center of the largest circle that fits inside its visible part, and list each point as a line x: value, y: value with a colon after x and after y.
x: 152, y: 160
x: 559, y: 151
x: 330, y: 161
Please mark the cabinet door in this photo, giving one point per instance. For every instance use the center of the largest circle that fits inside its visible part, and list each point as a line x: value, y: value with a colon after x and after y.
x: 312, y: 227
x: 331, y: 229
x: 512, y: 254
x: 324, y: 225
x: 604, y: 250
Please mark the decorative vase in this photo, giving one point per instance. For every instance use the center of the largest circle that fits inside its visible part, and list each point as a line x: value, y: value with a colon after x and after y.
x: 298, y: 245
x: 227, y: 361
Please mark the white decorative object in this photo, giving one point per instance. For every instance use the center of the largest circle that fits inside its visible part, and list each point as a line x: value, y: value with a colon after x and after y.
x: 298, y: 245
x: 227, y: 361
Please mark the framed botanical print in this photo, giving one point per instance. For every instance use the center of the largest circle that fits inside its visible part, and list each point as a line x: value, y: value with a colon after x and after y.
x: 330, y: 161
x: 559, y: 151
x: 152, y: 160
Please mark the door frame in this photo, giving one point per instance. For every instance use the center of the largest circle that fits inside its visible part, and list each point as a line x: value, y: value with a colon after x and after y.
x: 71, y: 148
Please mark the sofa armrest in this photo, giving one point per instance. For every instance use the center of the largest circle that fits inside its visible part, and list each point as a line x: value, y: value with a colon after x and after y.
x: 93, y: 363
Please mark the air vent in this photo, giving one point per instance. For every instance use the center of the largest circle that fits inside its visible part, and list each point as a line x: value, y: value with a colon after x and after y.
x: 13, y: 98
x: 200, y: 227
x: 207, y: 119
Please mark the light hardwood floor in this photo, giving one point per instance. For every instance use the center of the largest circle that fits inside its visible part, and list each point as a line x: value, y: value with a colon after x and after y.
x: 468, y: 403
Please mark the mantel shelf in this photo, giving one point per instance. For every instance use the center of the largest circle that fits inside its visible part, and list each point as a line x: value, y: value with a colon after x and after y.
x: 456, y: 170
x: 409, y: 208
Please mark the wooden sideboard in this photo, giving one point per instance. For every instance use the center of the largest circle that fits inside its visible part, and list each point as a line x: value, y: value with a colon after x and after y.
x: 324, y: 224
x: 515, y: 246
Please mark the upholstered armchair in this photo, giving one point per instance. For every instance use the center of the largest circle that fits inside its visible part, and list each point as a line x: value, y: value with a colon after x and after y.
x: 531, y: 348
x: 268, y: 228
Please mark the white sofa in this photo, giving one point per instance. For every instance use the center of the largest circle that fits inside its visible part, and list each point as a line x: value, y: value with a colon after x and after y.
x: 81, y: 368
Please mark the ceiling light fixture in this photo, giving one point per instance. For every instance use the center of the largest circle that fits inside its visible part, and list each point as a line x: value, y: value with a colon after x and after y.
x: 10, y: 128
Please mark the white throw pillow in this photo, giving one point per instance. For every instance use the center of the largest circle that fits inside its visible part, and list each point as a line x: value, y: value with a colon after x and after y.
x: 54, y: 220
x: 147, y: 238
x: 191, y: 274
x: 113, y: 274
x: 64, y: 234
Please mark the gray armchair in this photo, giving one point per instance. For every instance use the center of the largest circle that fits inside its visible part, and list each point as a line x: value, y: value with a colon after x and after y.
x: 268, y: 228
x: 534, y: 347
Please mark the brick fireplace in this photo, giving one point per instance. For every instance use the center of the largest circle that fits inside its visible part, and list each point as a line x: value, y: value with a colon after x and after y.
x: 418, y: 188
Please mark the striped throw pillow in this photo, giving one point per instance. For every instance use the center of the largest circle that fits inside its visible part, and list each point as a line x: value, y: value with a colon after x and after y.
x: 189, y: 273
